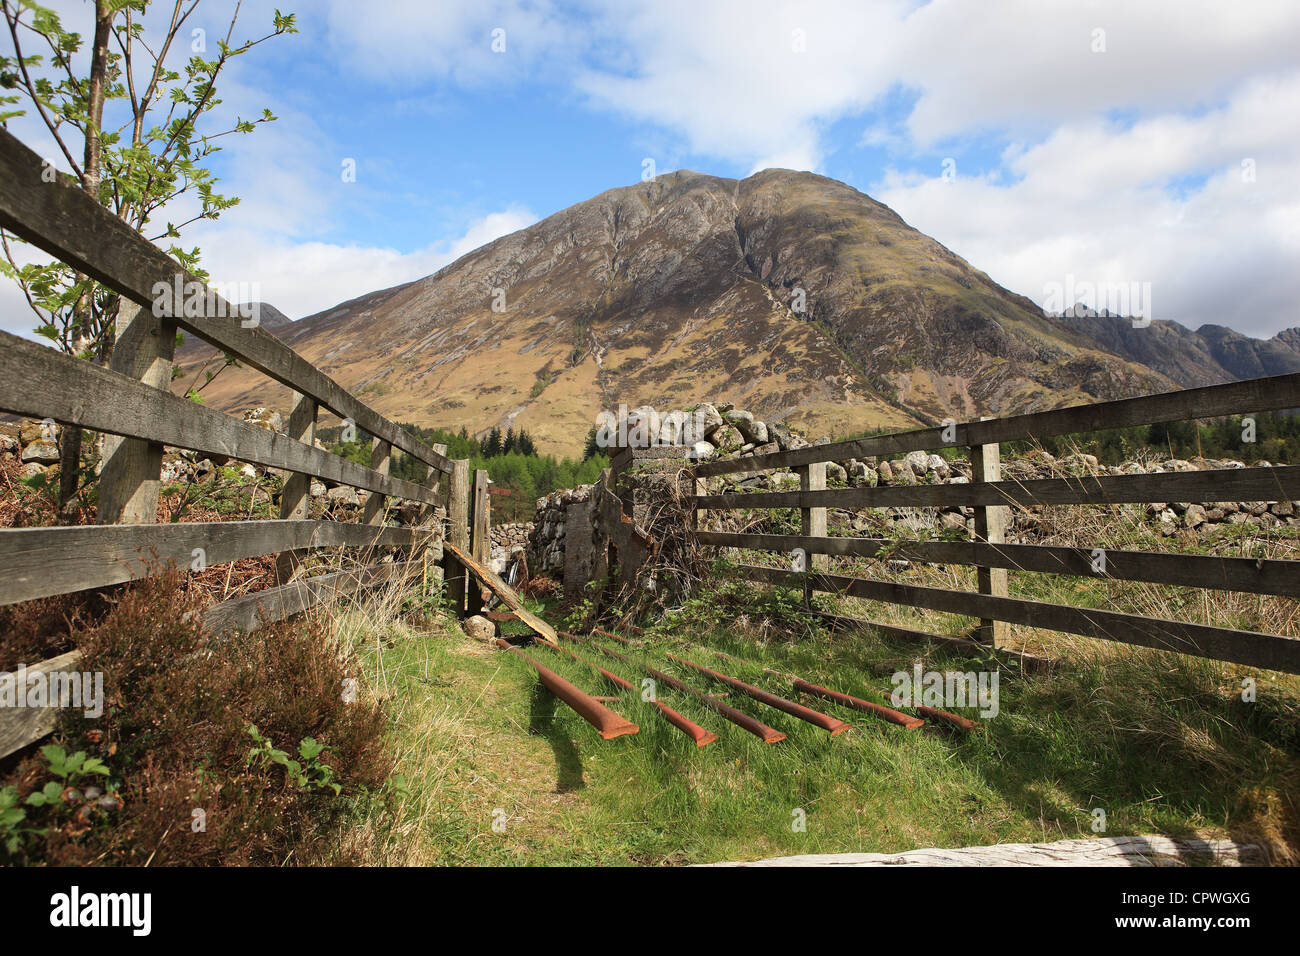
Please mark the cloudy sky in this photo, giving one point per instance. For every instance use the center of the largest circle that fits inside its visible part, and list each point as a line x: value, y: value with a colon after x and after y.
x: 1148, y: 141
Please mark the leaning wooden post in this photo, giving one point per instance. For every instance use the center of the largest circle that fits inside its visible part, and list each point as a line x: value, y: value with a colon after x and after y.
x: 295, y: 498
x: 130, y: 478
x: 480, y: 535
x: 453, y: 573
x: 381, y: 456
x: 990, y: 527
x: 812, y: 521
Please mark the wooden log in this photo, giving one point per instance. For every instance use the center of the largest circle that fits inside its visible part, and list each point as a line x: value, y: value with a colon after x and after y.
x: 1212, y: 401
x: 1271, y: 651
x: 1254, y: 575
x: 1226, y: 484
x: 41, y: 562
x: 39, y: 382
x: 68, y: 224
x: 129, y: 480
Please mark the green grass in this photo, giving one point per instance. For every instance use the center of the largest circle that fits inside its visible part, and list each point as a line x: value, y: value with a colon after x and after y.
x: 1163, y: 744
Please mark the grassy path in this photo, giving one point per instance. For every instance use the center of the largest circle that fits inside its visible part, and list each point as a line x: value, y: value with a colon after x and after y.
x: 499, y: 772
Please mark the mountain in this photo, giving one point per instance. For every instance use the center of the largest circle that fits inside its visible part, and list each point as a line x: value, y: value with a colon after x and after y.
x: 1211, y: 355
x: 688, y: 288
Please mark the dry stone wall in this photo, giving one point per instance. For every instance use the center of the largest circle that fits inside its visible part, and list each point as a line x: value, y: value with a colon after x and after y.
x: 713, y: 431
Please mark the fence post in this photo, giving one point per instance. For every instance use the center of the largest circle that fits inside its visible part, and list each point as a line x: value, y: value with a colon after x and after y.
x: 453, y: 573
x: 812, y: 521
x: 295, y: 498
x: 381, y: 457
x: 429, y: 515
x: 990, y: 527
x: 480, y: 537
x: 130, y: 477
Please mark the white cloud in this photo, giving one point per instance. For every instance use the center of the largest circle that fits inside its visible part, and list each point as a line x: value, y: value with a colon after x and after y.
x: 1094, y: 201
x: 744, y: 80
x: 400, y: 41
x: 302, y: 278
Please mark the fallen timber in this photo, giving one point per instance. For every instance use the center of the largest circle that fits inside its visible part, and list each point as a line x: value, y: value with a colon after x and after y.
x: 505, y: 592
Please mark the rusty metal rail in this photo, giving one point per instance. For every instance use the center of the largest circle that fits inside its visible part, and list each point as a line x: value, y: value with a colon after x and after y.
x: 814, y: 717
x: 885, y: 713
x: 607, y: 723
x: 700, y: 735
x: 857, y: 703
x: 769, y: 735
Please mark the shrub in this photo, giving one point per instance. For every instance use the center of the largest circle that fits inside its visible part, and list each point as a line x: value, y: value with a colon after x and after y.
x: 191, y: 741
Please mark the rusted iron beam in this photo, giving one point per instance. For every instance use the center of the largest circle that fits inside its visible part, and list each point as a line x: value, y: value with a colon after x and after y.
x: 814, y: 717
x: 768, y: 735
x: 943, y: 716
x: 607, y: 723
x: 700, y: 735
x: 611, y: 635
x: 857, y: 703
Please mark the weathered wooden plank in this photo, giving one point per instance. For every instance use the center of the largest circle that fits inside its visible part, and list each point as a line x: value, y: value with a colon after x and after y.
x: 65, y: 222
x: 381, y: 456
x: 1235, y: 484
x: 41, y: 383
x: 990, y: 527
x: 249, y: 611
x: 295, y: 497
x: 40, y: 562
x: 1211, y: 401
x: 129, y: 480
x: 504, y: 592
x: 1253, y: 575
x: 1271, y: 651
x: 480, y: 535
x: 812, y: 521
x: 20, y: 726
x: 1127, y: 851
x: 454, y: 574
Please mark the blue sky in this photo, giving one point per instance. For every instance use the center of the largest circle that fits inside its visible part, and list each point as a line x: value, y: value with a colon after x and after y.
x: 1101, y: 140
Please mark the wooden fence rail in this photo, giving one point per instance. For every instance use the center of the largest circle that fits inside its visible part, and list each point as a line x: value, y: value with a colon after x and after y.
x: 993, y: 496
x: 131, y: 406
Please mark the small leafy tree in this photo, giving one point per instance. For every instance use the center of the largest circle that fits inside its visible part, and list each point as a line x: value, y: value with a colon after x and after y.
x: 129, y: 130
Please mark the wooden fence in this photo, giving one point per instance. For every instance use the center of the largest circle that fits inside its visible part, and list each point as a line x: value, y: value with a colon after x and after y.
x: 991, y: 498
x: 131, y: 405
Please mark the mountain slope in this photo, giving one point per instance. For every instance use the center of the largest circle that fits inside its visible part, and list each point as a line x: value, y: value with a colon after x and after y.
x: 1210, y: 355
x: 687, y: 288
